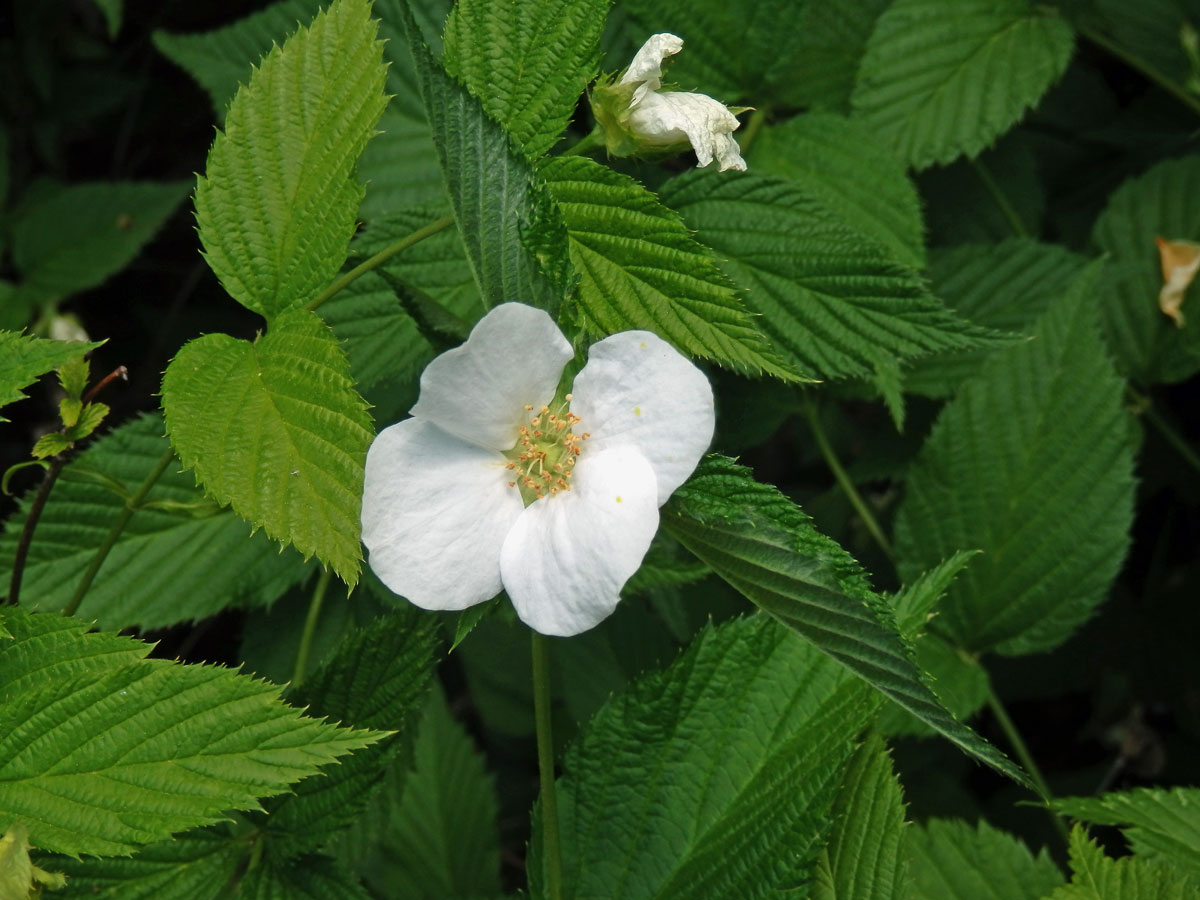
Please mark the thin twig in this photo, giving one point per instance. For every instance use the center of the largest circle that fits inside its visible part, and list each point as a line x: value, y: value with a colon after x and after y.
x: 35, y: 513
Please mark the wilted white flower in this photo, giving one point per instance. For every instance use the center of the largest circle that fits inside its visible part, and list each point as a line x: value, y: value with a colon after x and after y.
x: 493, y: 483
x: 638, y: 117
x: 1180, y: 260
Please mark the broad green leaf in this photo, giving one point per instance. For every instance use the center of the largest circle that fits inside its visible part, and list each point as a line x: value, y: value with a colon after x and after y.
x: 308, y: 878
x: 432, y: 832
x: 1147, y: 345
x: 951, y: 860
x: 73, y: 237
x: 1006, y: 286
x: 834, y: 299
x: 640, y: 267
x: 196, y: 865
x: 752, y: 52
x: 527, y: 61
x: 181, y: 559
x: 44, y: 649
x: 767, y: 549
x: 941, y: 78
x: 1160, y: 824
x: 1096, y: 877
x: 279, y: 201
x: 514, y: 236
x: 275, y: 429
x: 378, y: 677
x: 1032, y: 463
x: 23, y: 359
x: 865, y: 859
x: 713, y: 779
x: 837, y: 161
x: 116, y: 757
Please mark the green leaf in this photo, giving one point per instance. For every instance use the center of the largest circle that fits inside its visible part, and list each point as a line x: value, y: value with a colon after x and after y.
x: 433, y: 833
x: 147, y: 747
x: 50, y: 444
x: 864, y: 858
x: 309, y: 878
x: 89, y: 420
x: 23, y: 359
x: 942, y: 78
x: 1161, y: 825
x: 913, y: 604
x: 951, y: 860
x: 1006, y: 286
x: 640, y: 267
x: 1148, y: 31
x: 1032, y: 462
x: 835, y: 300
x: 527, y: 62
x: 767, y: 549
x: 279, y: 201
x: 1147, y: 345
x: 378, y: 677
x: 276, y: 429
x: 179, y: 560
x: 196, y: 865
x: 74, y: 237
x: 1096, y: 877
x: 73, y: 376
x: 712, y: 779
x: 514, y: 236
x: 838, y: 162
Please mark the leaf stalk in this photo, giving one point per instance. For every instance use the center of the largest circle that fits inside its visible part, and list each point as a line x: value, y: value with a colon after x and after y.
x: 132, y: 505
x: 380, y: 258
x: 310, y: 628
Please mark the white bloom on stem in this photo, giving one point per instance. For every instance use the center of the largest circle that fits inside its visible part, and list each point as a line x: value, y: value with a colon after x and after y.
x: 494, y: 484
x: 637, y: 115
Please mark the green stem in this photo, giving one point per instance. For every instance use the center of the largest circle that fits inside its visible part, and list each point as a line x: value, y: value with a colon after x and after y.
x: 758, y: 119
x: 545, y: 747
x: 589, y: 141
x: 132, y: 505
x: 1175, y: 90
x: 35, y: 513
x: 1026, y: 758
x: 1144, y: 406
x: 310, y: 628
x: 1001, y: 200
x: 843, y: 480
x: 380, y: 258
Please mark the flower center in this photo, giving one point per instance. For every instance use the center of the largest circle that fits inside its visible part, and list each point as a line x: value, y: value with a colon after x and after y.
x: 543, y: 460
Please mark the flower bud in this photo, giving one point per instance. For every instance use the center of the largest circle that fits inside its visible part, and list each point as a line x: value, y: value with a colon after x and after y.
x: 639, y: 118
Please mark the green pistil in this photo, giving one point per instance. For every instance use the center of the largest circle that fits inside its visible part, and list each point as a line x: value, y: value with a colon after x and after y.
x: 543, y: 461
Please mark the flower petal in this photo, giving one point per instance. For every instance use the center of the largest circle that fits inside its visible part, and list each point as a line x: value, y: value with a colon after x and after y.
x: 671, y: 117
x: 567, y: 558
x: 638, y: 390
x: 514, y: 356
x: 647, y: 62
x: 435, y: 513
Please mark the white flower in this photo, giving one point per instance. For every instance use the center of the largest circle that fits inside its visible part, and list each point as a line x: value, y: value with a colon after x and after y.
x: 636, y: 115
x: 492, y: 484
